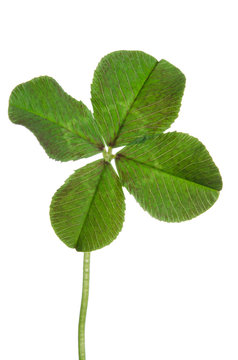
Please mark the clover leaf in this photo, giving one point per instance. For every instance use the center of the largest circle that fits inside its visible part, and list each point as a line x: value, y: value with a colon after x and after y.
x: 135, y: 99
x: 87, y: 212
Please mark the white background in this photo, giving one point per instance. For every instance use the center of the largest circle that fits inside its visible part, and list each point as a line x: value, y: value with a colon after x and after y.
x: 159, y: 291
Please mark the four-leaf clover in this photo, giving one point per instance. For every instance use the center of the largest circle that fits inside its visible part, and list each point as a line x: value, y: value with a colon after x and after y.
x: 135, y: 98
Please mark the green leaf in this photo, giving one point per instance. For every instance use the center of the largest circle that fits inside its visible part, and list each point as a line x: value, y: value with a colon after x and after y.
x: 87, y: 212
x: 172, y: 176
x: 135, y: 95
x: 64, y: 126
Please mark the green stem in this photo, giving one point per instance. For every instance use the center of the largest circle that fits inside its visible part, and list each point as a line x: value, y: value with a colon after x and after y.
x: 84, y: 305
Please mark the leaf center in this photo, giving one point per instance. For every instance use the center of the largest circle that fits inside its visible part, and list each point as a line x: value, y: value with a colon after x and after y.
x: 107, y: 154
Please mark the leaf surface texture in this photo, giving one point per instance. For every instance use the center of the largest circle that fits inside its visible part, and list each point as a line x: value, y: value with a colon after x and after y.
x: 87, y: 212
x: 134, y: 95
x: 172, y: 176
x: 64, y: 126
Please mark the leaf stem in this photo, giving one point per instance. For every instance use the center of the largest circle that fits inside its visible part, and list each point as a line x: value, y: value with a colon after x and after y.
x: 84, y: 305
